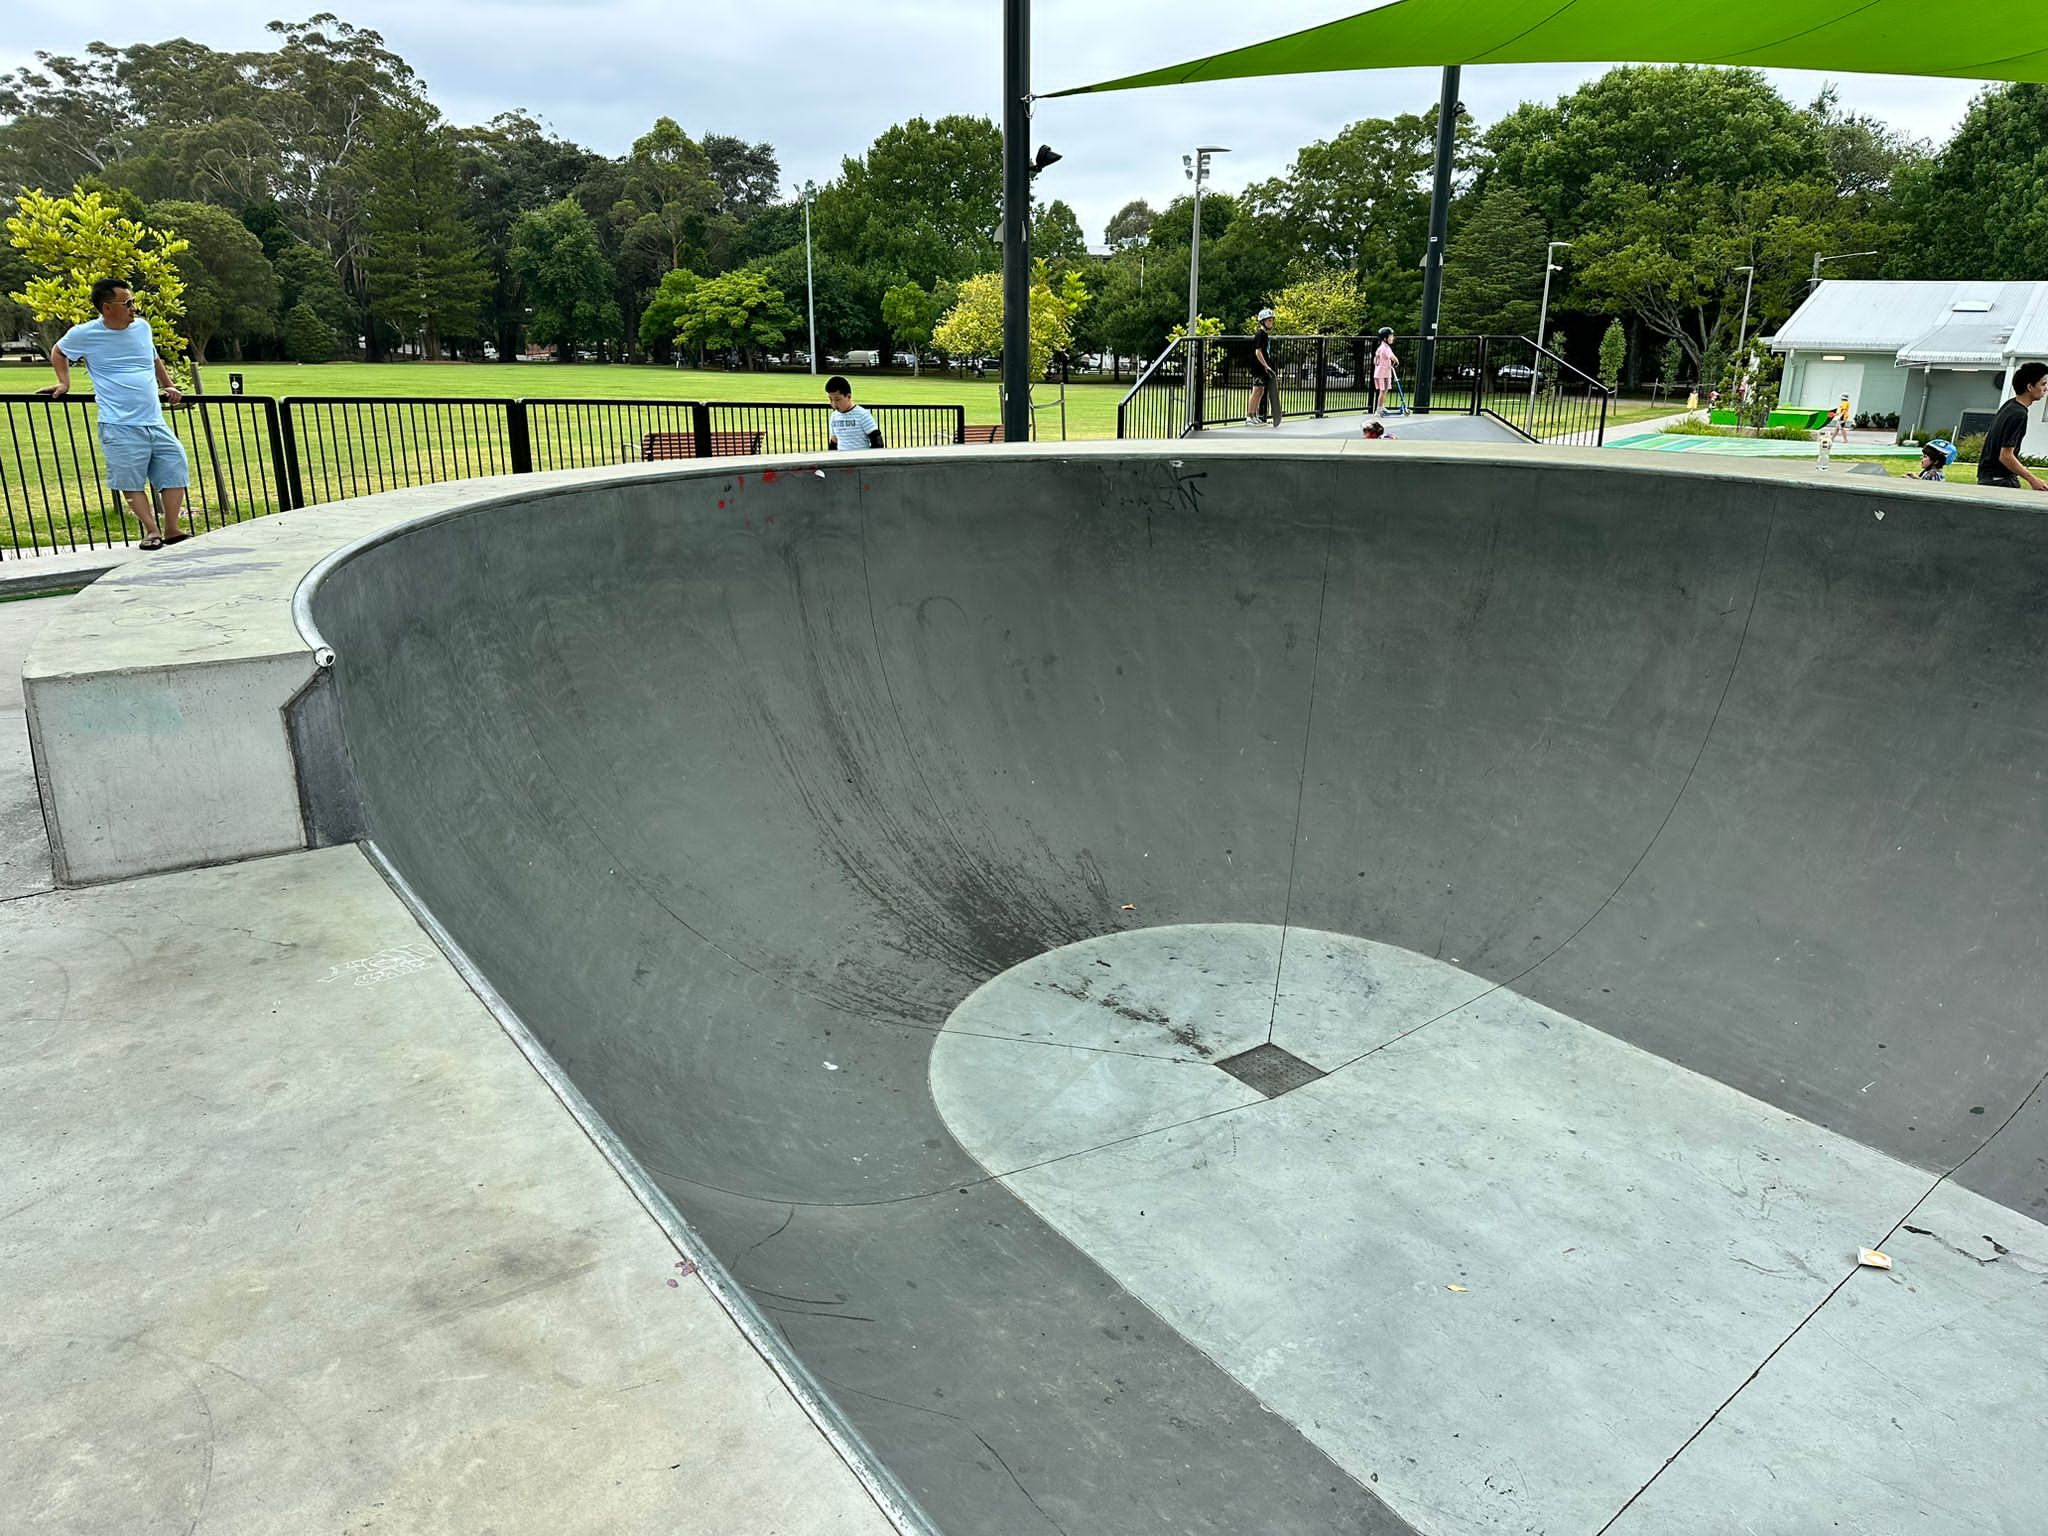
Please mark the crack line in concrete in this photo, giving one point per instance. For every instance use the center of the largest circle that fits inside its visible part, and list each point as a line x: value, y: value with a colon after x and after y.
x: 1308, y: 736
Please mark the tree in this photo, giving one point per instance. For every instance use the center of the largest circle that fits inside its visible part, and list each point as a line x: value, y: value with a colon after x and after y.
x: 1670, y: 362
x: 747, y: 175
x: 305, y: 276
x: 507, y: 167
x: 66, y: 118
x: 1056, y: 235
x: 669, y: 178
x: 1129, y: 226
x: 911, y: 315
x: 737, y: 310
x: 308, y: 338
x: 421, y: 266
x: 924, y: 202
x: 1322, y: 303
x: 1644, y: 126
x: 1613, y: 354
x: 565, y: 278
x: 1493, y: 266
x: 973, y: 327
x: 1361, y: 200
x: 1977, y: 210
x: 72, y: 242
x: 663, y: 316
x: 230, y: 287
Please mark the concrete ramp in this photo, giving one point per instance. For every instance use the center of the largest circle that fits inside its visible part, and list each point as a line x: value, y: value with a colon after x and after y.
x: 1452, y: 779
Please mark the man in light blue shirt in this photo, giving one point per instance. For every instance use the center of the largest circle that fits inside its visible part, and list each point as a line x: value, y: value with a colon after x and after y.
x: 126, y: 375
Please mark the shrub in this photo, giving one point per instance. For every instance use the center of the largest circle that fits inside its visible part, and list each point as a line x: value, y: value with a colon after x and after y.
x: 1970, y: 448
x: 1693, y: 426
x: 308, y: 338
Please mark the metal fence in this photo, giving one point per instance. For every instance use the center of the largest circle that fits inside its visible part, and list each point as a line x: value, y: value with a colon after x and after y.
x: 250, y: 454
x: 1509, y: 378
x: 53, y: 479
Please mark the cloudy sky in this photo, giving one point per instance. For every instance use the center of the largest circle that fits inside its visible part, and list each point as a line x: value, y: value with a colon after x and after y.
x: 820, y: 81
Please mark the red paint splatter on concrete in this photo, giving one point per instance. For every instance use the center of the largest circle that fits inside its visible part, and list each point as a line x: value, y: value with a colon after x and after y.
x: 673, y: 1284
x: 721, y: 506
x: 686, y: 1266
x: 741, y: 481
x: 771, y: 522
x: 767, y: 477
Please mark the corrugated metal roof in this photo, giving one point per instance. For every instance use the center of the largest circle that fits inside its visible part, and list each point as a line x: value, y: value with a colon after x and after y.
x: 1845, y: 315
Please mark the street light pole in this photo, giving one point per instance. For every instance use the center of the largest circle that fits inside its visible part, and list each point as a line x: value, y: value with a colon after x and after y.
x: 1742, y: 330
x: 1818, y: 260
x: 1197, y: 167
x: 810, y: 286
x: 1543, y: 320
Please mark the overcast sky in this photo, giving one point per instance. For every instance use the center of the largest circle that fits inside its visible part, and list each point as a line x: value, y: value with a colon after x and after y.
x: 820, y: 81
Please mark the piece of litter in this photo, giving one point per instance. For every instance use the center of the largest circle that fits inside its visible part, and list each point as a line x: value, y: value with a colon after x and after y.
x: 1880, y: 517
x: 831, y: 1066
x: 819, y: 473
x: 1129, y: 906
x: 1870, y: 1258
x: 1461, y: 1290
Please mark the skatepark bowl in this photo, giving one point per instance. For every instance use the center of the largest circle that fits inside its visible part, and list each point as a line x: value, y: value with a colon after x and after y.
x: 1268, y: 991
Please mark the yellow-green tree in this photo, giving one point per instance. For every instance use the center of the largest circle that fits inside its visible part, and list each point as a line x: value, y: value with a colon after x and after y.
x: 76, y: 240
x: 1326, y: 302
x: 973, y: 327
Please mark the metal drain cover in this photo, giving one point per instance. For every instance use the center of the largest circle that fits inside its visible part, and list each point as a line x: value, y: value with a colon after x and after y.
x: 1270, y: 1070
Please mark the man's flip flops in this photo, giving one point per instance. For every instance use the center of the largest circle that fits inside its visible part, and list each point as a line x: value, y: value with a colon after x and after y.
x: 176, y: 538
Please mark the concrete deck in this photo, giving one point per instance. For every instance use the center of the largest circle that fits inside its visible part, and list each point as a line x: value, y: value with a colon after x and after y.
x: 1636, y: 861
x: 292, y: 1236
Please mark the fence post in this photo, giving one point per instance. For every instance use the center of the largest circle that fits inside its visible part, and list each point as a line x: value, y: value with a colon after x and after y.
x: 1322, y: 374
x: 1479, y: 378
x: 1198, y: 368
x: 518, y: 439
x: 293, y: 486
x: 280, y: 471
x: 960, y: 423
x: 700, y: 428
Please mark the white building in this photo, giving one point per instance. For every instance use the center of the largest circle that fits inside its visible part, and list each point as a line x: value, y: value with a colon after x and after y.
x: 1925, y: 351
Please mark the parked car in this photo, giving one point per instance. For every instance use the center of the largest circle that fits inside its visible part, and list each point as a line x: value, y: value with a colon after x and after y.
x: 1519, y: 373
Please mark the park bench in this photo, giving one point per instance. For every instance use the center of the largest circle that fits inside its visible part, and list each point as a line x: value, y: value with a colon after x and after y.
x: 683, y: 445
x: 989, y: 434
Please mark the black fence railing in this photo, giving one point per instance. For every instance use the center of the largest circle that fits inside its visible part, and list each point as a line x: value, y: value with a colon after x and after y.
x: 53, y: 479
x: 250, y: 455
x: 1157, y: 404
x: 1509, y: 378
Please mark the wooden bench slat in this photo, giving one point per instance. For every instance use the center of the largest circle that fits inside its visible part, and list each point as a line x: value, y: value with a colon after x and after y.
x: 683, y: 445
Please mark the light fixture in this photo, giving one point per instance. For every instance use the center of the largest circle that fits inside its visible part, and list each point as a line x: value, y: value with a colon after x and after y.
x: 1046, y: 155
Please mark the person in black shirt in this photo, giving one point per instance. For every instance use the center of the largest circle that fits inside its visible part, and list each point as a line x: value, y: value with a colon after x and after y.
x: 1999, y: 462
x: 1262, y: 372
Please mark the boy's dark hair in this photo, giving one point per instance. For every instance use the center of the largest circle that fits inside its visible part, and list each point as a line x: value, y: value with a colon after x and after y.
x: 105, y: 289
x: 836, y: 385
x: 2027, y: 375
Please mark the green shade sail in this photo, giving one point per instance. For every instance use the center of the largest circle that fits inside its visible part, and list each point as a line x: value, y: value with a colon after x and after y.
x: 1876, y: 37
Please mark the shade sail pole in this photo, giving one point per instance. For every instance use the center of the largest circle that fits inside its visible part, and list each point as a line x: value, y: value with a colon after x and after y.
x: 1017, y: 220
x: 1439, y: 228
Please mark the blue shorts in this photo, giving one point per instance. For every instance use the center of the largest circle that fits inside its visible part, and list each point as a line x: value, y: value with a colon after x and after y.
x: 139, y: 457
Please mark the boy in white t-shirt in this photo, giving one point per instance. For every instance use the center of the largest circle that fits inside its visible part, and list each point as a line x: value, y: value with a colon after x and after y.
x: 853, y: 428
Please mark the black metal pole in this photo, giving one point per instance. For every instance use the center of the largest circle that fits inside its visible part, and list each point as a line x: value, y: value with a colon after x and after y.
x: 1439, y: 227
x: 1016, y: 220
